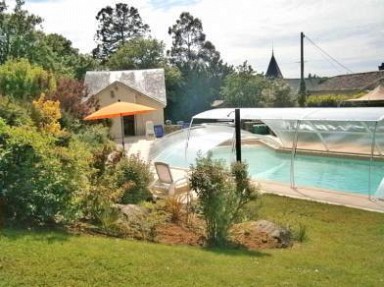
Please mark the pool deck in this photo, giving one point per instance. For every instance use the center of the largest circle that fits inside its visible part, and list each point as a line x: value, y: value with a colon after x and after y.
x: 322, y: 195
x: 140, y: 145
x: 314, y: 194
x: 136, y: 145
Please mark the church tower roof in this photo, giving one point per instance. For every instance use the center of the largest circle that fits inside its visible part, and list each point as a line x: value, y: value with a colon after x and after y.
x: 273, y: 70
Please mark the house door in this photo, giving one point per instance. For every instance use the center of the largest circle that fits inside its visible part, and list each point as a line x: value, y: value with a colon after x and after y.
x: 129, y: 125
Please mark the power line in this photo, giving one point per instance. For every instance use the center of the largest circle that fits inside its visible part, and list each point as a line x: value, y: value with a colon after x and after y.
x: 329, y: 56
x: 332, y: 63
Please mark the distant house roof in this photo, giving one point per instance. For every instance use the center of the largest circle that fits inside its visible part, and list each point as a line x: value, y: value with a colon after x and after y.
x: 273, y: 70
x: 310, y: 83
x: 342, y: 83
x: 350, y: 82
x: 148, y: 82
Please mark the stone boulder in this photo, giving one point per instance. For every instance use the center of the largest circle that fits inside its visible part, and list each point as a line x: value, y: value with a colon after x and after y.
x: 261, y: 234
x: 131, y: 211
x: 281, y: 235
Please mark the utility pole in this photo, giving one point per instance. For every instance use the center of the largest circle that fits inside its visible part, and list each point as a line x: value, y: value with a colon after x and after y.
x: 302, y: 91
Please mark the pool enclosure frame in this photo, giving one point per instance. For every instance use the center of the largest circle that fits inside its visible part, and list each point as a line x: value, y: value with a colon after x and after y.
x: 325, y: 128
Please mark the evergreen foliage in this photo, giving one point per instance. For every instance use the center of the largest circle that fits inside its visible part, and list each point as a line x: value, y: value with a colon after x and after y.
x: 279, y: 94
x: 244, y: 87
x: 45, y: 178
x: 18, y: 32
x: 189, y: 46
x: 21, y: 80
x: 133, y: 176
x: 37, y: 180
x: 13, y: 113
x: 247, y: 89
x: 138, y: 53
x: 116, y: 26
x: 200, y: 65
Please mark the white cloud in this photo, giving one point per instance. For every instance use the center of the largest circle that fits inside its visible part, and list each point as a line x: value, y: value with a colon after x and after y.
x: 349, y: 30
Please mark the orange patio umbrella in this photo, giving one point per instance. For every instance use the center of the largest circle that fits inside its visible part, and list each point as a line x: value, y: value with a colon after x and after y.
x: 119, y: 109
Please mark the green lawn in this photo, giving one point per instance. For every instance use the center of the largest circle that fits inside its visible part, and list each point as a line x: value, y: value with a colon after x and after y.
x: 345, y: 247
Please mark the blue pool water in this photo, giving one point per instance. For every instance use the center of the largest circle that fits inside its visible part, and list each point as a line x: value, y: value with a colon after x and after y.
x: 342, y: 174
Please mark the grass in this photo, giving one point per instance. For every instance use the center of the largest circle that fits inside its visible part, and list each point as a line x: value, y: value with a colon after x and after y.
x: 345, y: 247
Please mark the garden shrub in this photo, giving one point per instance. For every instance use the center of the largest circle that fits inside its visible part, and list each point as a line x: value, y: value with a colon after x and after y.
x: 222, y: 194
x: 174, y: 207
x: 46, y: 176
x: 133, y: 176
x: 331, y: 100
x: 37, y: 181
x: 70, y: 123
x: 19, y: 79
x: 13, y: 113
x: 95, y: 136
x: 109, y: 220
x: 97, y: 140
x: 143, y: 224
x: 46, y: 114
x: 70, y: 93
x: 95, y: 201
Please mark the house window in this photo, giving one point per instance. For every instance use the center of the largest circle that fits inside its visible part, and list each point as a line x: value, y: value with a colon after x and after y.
x: 112, y: 93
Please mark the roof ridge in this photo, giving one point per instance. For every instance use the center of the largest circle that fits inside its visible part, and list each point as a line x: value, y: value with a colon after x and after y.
x: 360, y: 73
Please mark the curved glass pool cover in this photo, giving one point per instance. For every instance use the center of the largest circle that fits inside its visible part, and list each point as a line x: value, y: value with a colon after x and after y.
x: 356, y: 131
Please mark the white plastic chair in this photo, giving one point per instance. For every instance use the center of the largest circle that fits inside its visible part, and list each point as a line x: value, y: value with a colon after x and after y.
x: 149, y: 130
x: 165, y: 185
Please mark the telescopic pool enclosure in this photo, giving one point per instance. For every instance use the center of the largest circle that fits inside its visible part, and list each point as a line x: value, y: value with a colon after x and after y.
x: 351, y: 131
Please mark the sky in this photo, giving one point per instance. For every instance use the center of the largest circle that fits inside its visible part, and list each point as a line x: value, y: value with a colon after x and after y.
x: 350, y: 31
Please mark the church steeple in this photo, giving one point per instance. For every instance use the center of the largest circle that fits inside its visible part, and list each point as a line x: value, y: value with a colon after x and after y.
x: 273, y: 70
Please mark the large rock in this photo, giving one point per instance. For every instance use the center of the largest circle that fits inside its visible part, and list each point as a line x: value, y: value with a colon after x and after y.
x: 261, y: 234
x: 131, y: 211
x: 281, y: 235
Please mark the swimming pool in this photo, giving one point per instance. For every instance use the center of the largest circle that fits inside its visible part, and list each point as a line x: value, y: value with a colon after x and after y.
x: 335, y: 173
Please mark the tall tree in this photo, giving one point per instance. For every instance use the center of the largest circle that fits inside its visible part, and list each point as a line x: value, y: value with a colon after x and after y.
x: 116, y: 26
x: 189, y: 45
x: 17, y: 32
x: 60, y: 45
x: 173, y: 83
x: 244, y: 88
x: 53, y: 52
x: 3, y: 6
x: 200, y: 64
x: 279, y: 94
x: 138, y: 53
x: 56, y: 53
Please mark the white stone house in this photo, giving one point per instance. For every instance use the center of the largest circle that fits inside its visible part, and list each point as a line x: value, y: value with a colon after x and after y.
x: 145, y: 87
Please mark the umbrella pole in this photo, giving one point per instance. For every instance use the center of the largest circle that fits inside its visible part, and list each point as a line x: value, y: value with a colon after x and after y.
x: 122, y: 132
